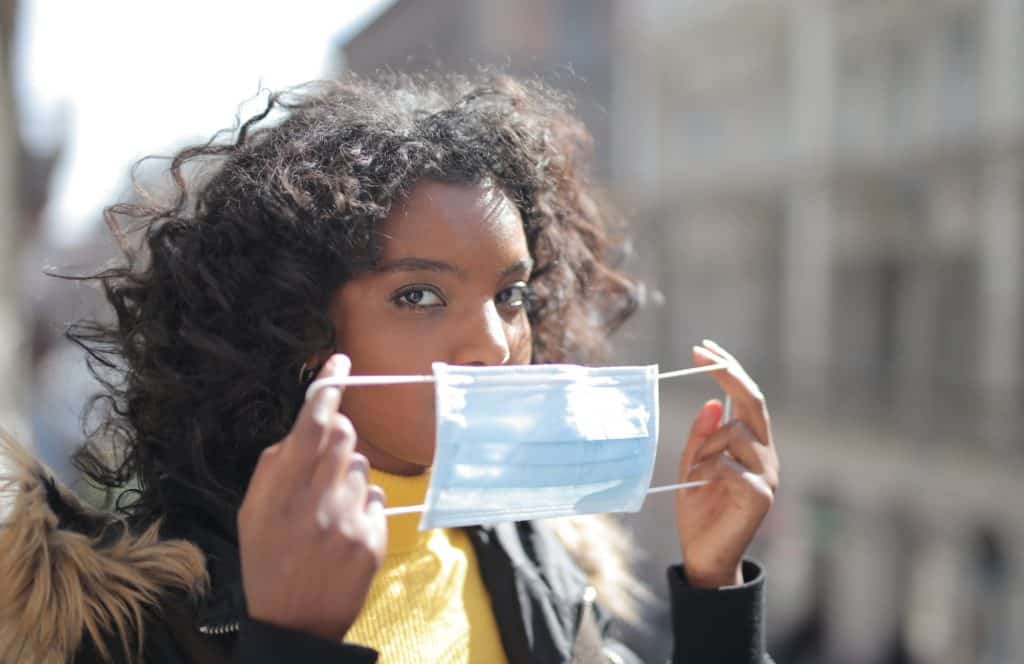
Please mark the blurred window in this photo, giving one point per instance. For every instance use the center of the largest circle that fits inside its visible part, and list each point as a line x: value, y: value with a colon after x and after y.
x: 987, y: 628
x: 901, y: 90
x: 960, y: 73
x: 861, y: 86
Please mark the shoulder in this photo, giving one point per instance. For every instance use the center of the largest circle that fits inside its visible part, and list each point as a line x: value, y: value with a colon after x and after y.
x: 78, y: 578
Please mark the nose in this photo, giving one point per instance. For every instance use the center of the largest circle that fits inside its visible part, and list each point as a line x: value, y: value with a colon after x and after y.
x: 484, y: 339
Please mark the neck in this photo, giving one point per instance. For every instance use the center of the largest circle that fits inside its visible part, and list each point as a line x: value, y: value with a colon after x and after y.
x: 402, y: 490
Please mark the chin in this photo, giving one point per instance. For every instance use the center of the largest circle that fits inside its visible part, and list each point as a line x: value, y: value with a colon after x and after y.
x: 425, y: 460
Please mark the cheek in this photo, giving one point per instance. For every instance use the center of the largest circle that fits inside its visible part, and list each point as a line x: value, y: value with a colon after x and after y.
x: 397, y: 420
x: 521, y: 344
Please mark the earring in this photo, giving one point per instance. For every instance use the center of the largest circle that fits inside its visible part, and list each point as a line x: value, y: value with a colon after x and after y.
x: 305, y: 374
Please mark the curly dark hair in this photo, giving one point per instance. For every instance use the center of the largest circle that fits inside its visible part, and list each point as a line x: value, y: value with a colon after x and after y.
x: 226, y: 294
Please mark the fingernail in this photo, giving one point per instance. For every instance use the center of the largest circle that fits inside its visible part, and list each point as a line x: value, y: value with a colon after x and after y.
x: 712, y: 345
x: 359, y: 464
x: 707, y: 417
x: 342, y: 364
x: 700, y: 350
x: 376, y: 495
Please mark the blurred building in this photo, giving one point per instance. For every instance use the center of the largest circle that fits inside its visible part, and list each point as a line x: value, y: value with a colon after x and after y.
x: 13, y: 360
x: 44, y: 383
x: 565, y: 42
x: 835, y: 190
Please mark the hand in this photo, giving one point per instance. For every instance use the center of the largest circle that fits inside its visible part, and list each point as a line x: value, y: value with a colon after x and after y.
x: 312, y: 532
x: 718, y: 521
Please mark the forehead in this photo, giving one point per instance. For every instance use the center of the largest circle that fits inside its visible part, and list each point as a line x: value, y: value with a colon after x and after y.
x: 440, y: 218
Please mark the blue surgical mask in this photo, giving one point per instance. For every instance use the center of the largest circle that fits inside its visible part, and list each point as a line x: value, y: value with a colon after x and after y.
x: 537, y: 441
x: 520, y: 442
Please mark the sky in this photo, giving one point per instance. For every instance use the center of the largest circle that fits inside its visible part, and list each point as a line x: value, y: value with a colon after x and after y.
x: 121, y: 79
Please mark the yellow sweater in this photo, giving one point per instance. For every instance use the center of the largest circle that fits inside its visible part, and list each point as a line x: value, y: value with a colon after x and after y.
x: 428, y: 602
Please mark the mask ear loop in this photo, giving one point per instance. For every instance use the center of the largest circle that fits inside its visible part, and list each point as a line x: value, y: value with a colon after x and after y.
x: 355, y: 381
x: 351, y: 381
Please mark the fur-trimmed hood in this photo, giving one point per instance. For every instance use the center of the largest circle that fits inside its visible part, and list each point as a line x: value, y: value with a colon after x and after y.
x: 70, y: 572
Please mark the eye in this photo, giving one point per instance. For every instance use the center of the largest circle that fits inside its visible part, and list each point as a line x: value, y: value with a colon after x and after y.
x: 418, y: 297
x: 516, y: 296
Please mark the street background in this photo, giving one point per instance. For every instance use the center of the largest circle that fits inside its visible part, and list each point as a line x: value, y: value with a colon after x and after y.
x: 832, y: 190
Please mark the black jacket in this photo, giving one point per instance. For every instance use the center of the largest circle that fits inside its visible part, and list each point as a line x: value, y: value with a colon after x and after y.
x: 543, y: 606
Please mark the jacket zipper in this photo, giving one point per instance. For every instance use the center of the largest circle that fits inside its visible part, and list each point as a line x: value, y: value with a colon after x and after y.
x: 219, y: 630
x: 587, y: 606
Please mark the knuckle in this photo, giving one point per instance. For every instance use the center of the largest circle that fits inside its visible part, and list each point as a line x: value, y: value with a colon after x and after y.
x: 324, y: 521
x: 357, y: 486
x: 343, y: 425
x: 321, y: 420
x: 376, y: 493
x: 697, y: 471
x: 738, y: 430
x: 761, y: 495
x: 351, y: 531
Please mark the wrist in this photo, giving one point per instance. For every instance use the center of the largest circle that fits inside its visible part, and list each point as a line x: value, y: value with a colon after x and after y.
x: 698, y: 576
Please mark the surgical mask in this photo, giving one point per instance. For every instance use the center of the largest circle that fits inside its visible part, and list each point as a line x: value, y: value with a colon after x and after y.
x: 520, y: 442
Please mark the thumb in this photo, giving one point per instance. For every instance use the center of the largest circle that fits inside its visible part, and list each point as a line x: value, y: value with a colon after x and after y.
x: 705, y: 424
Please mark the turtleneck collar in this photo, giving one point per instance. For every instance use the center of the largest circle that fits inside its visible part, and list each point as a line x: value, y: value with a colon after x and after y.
x: 402, y: 490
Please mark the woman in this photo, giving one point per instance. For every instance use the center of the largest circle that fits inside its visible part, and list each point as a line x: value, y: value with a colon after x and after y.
x: 379, y: 227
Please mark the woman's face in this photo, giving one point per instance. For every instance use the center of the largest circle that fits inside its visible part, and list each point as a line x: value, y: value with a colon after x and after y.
x: 450, y: 287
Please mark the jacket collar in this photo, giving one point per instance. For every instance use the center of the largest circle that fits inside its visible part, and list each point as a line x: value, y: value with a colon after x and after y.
x: 538, y: 591
x: 536, y: 587
x: 211, y: 526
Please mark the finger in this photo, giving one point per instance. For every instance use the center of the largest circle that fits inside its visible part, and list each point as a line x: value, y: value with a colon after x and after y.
x: 750, y: 483
x: 377, y: 522
x: 338, y: 503
x: 313, y: 423
x: 737, y: 368
x: 713, y: 353
x: 748, y: 400
x: 723, y: 471
x: 704, y: 425
x: 355, y: 484
x: 333, y: 462
x: 375, y: 494
x: 703, y: 471
x: 736, y: 439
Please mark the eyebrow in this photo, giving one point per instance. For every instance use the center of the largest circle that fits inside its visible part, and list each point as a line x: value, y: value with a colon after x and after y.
x: 415, y: 264
x: 524, y: 265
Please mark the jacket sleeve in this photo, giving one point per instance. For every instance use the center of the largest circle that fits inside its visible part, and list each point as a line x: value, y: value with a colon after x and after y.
x: 173, y: 639
x: 260, y: 642
x: 718, y: 624
x: 709, y: 626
